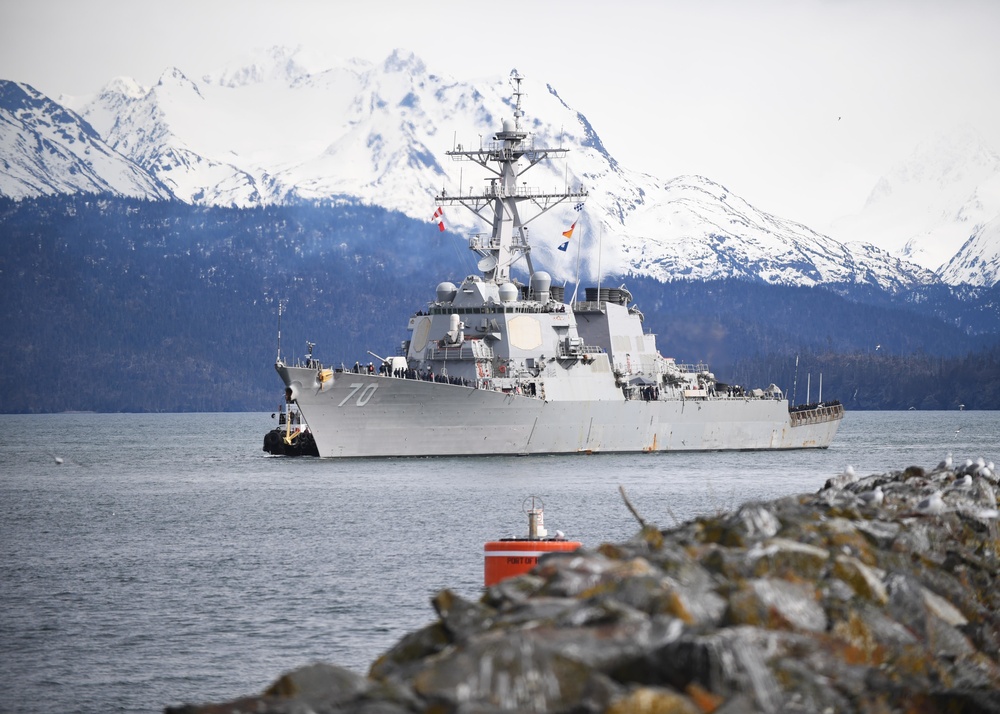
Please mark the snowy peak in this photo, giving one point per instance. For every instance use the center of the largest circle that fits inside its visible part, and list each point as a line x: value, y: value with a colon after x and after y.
x: 173, y: 77
x: 47, y: 149
x: 267, y: 130
x: 978, y: 262
x: 276, y: 64
x: 927, y: 207
x: 162, y: 129
x: 404, y: 61
x: 694, y: 227
x: 124, y: 87
x: 952, y: 163
x: 31, y: 108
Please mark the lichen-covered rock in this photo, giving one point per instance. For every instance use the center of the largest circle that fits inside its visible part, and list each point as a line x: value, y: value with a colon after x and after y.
x: 316, y: 689
x: 781, y: 557
x: 777, y: 604
x: 876, y: 594
x: 513, y: 672
x: 864, y: 581
x: 652, y: 700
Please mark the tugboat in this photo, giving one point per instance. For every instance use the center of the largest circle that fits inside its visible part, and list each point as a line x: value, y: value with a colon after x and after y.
x: 496, y: 366
x: 292, y: 436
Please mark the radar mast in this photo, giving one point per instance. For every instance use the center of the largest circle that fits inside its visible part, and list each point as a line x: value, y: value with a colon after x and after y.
x: 507, y: 202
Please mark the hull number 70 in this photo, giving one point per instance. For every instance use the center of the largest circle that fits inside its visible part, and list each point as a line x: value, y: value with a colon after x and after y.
x: 363, y: 398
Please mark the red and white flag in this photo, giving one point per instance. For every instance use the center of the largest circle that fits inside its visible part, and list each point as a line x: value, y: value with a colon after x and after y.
x: 439, y: 218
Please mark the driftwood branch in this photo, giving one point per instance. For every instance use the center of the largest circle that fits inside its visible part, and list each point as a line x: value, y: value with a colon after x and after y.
x: 628, y: 504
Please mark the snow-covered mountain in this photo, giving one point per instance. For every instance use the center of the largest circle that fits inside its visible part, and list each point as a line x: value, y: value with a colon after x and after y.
x: 978, y: 262
x: 47, y: 149
x: 269, y: 130
x: 933, y: 207
x: 696, y: 228
x: 166, y: 129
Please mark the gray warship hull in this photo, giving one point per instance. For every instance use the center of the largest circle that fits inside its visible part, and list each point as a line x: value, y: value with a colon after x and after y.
x: 360, y: 415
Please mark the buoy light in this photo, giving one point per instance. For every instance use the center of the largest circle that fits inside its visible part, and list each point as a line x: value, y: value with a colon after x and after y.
x: 510, y: 557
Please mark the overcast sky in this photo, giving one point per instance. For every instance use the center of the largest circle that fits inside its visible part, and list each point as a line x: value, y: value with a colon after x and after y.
x: 797, y: 106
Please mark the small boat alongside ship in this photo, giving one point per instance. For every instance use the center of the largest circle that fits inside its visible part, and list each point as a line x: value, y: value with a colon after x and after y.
x: 493, y: 365
x: 292, y: 436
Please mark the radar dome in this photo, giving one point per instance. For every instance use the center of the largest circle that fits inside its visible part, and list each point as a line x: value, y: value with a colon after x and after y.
x: 446, y: 292
x: 508, y: 125
x: 508, y: 292
x: 541, y: 281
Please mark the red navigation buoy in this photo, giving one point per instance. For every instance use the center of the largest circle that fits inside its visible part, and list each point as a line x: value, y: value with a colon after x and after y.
x: 508, y: 557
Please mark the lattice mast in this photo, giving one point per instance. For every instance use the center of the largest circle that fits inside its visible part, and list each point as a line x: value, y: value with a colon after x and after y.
x: 512, y: 202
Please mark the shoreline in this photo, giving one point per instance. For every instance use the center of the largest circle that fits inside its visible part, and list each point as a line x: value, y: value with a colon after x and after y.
x: 874, y: 594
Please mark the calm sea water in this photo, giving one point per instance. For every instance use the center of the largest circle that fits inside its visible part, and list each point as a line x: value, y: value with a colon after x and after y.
x: 169, y: 560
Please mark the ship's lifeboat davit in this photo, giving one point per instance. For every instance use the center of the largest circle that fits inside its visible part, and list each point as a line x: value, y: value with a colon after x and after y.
x: 509, y: 557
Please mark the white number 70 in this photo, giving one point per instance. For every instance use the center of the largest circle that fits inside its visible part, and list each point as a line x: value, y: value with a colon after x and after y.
x: 363, y: 398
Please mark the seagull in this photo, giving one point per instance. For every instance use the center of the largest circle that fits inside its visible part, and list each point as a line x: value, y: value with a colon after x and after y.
x: 963, y: 482
x: 945, y: 465
x: 873, y: 497
x: 932, y: 505
x: 59, y: 460
x: 845, y: 477
x: 988, y: 472
x: 560, y: 534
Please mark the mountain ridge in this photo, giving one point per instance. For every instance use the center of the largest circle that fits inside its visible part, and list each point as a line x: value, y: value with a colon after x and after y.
x: 270, y: 132
x: 928, y: 206
x: 48, y: 149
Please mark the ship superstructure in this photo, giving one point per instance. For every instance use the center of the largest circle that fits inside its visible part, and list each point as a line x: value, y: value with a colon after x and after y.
x: 494, y: 365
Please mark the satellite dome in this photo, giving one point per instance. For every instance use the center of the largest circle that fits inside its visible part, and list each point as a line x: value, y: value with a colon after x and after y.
x: 446, y: 292
x: 541, y: 281
x: 508, y: 292
x: 508, y: 126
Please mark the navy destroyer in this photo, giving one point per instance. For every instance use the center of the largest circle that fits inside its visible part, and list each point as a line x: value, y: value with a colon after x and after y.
x: 497, y: 366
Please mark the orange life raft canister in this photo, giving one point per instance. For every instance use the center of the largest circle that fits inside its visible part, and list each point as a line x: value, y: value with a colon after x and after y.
x: 508, y: 557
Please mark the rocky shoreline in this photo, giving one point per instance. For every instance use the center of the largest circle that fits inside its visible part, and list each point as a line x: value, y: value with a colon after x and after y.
x: 878, y: 594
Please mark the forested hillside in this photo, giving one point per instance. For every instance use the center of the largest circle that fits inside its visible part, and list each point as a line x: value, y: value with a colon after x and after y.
x: 126, y: 305
x: 133, y: 306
